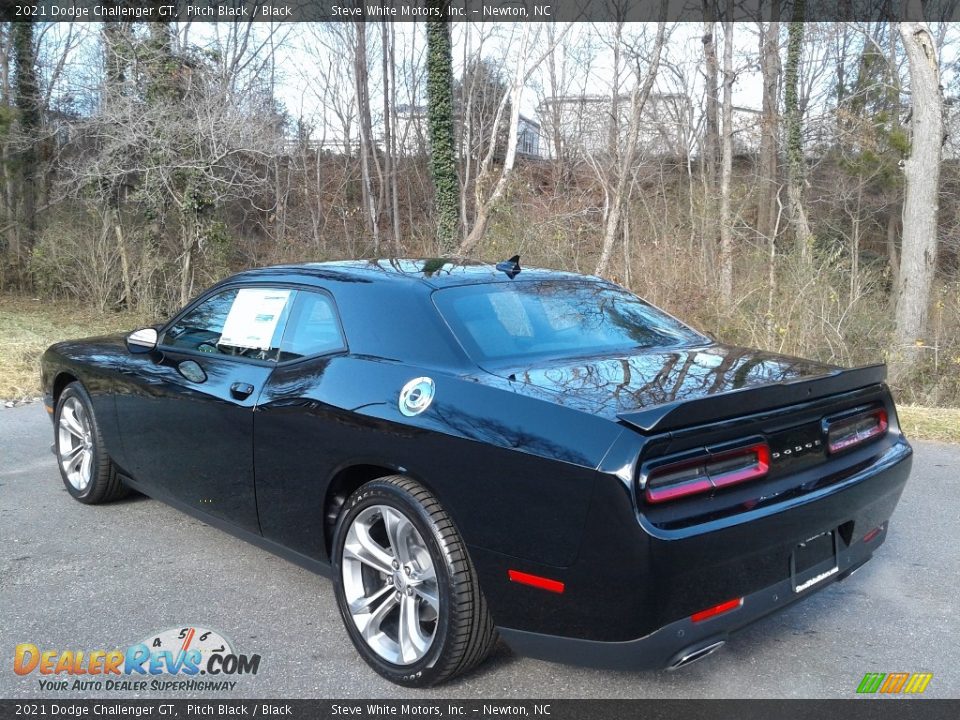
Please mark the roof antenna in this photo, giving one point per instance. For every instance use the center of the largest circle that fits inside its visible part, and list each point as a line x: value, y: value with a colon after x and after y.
x: 510, y: 267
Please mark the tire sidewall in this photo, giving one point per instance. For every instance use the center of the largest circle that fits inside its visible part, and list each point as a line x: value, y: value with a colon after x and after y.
x: 380, y: 493
x: 76, y: 390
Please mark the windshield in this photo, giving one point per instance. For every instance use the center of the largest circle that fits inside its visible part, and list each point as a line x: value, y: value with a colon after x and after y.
x: 506, y: 322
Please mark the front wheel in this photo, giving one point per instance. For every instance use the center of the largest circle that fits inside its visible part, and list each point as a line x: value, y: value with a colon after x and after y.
x: 86, y: 469
x: 405, y: 586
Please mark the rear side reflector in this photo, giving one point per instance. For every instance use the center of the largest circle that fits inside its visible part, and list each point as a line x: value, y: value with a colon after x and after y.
x: 846, y: 432
x: 872, y: 534
x: 708, y: 472
x: 720, y: 609
x: 535, y: 581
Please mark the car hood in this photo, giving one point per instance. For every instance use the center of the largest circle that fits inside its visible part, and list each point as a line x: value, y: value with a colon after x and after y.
x: 612, y: 385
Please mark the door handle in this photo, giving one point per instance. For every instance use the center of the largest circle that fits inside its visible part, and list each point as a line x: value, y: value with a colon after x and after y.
x: 241, y: 390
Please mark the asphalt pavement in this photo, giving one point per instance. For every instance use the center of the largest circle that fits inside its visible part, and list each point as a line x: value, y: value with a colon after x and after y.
x: 79, y: 577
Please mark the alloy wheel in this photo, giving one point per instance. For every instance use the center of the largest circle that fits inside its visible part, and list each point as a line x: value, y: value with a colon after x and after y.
x: 390, y: 584
x: 75, y: 443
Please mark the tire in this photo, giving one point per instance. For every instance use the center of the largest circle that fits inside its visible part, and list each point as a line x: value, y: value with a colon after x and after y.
x: 85, y: 467
x: 447, y: 628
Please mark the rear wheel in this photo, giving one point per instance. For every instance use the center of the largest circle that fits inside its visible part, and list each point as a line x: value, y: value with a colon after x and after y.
x: 406, y: 589
x: 86, y: 468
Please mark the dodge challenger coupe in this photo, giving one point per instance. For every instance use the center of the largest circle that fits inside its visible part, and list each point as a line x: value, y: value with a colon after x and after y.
x: 474, y: 450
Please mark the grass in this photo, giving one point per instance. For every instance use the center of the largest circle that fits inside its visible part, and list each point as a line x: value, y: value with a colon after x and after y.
x: 28, y: 327
x: 926, y: 423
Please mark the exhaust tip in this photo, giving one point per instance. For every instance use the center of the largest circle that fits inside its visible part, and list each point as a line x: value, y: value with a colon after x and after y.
x: 694, y: 653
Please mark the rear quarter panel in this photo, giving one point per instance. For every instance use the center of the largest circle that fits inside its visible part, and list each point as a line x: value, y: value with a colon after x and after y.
x: 516, y: 473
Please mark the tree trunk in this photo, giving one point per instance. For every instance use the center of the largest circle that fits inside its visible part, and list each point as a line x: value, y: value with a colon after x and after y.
x: 711, y: 137
x: 896, y: 208
x: 366, y: 131
x: 124, y: 260
x: 7, y: 202
x: 385, y: 54
x: 769, y: 130
x: 893, y: 256
x: 390, y: 116
x: 726, y: 172
x: 795, y: 160
x: 554, y: 110
x: 443, y: 160
x: 922, y: 173
x: 186, y: 267
x: 27, y: 102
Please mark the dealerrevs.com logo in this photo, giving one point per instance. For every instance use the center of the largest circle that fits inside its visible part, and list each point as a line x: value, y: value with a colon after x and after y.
x: 190, y: 659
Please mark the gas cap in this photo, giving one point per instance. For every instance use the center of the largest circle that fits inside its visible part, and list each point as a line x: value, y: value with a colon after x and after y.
x: 416, y: 396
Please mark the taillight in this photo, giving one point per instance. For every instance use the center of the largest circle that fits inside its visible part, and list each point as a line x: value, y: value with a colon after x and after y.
x: 847, y: 432
x: 708, y: 472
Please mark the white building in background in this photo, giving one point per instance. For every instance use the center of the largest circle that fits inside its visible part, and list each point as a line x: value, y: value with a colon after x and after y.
x: 746, y: 130
x: 411, y: 132
x: 410, y: 129
x: 667, y: 127
x: 530, y: 142
x: 585, y: 124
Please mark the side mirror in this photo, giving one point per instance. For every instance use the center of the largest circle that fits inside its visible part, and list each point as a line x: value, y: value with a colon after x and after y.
x: 143, y: 340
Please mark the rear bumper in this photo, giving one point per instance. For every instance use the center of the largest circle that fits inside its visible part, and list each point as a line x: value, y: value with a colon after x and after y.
x: 680, y: 642
x: 629, y: 598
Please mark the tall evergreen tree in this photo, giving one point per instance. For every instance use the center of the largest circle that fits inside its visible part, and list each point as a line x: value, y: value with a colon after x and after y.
x: 796, y: 170
x: 443, y: 164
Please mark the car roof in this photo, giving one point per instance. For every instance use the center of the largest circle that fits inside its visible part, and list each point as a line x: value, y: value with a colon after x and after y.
x: 426, y: 273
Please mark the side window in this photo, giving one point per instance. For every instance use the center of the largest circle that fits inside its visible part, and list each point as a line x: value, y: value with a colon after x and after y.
x: 313, y: 328
x: 244, y: 322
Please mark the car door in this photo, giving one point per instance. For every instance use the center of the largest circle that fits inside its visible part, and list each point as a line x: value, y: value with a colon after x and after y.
x: 186, y: 412
x: 299, y: 428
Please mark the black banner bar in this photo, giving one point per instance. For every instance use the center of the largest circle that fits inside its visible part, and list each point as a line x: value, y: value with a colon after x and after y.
x: 853, y: 709
x: 474, y: 10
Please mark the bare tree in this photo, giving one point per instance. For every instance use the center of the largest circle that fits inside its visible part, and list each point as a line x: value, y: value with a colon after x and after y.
x: 641, y: 93
x: 389, y: 70
x: 711, y: 134
x: 367, y: 151
x: 181, y: 138
x: 920, y: 205
x: 769, y: 127
x: 726, y: 172
x: 509, y: 103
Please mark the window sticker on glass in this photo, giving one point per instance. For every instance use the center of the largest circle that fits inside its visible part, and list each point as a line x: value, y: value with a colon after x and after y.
x: 253, y: 317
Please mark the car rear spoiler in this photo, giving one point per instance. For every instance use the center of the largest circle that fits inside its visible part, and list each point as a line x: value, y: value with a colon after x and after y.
x: 746, y: 401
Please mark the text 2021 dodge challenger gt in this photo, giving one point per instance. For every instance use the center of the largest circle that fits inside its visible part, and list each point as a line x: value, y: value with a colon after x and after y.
x: 471, y: 449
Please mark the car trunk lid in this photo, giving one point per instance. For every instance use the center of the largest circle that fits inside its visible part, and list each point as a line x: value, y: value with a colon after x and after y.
x: 658, y: 390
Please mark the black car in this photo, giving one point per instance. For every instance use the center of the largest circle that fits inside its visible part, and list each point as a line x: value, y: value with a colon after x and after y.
x: 472, y: 450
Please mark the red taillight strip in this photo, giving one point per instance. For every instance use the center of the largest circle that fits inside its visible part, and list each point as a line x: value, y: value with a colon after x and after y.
x: 838, y: 424
x: 707, y: 482
x: 672, y: 492
x: 717, y: 610
x: 535, y: 581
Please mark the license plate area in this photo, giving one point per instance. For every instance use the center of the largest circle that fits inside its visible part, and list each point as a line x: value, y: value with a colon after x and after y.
x: 814, y: 560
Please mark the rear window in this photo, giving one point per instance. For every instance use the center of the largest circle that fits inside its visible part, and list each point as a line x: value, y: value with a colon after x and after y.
x: 506, y: 322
